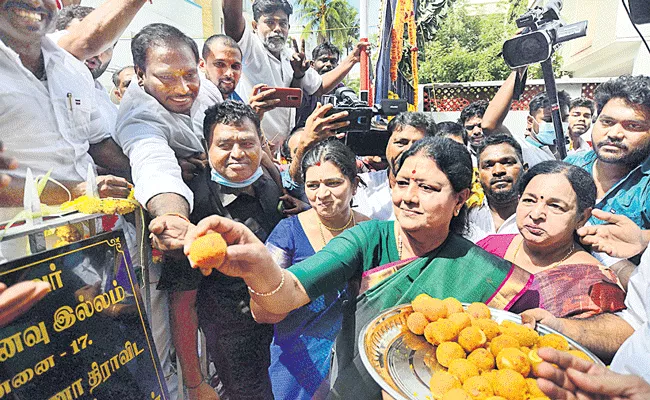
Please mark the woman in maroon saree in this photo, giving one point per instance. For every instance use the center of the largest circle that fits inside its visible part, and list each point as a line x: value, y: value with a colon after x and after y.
x: 556, y: 199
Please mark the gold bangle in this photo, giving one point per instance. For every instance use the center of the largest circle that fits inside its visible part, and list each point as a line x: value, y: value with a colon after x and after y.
x: 177, y: 215
x: 271, y: 293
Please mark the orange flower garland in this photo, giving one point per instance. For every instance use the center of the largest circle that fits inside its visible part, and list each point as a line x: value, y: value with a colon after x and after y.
x: 404, y: 14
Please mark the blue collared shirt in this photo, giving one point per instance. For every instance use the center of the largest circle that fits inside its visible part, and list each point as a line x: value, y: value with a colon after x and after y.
x: 630, y: 196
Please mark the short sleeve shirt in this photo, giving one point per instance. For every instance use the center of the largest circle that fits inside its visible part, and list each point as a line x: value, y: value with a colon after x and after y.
x: 260, y: 66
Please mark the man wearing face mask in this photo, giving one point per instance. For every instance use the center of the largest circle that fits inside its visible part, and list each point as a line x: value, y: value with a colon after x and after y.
x: 540, y: 130
x: 267, y: 60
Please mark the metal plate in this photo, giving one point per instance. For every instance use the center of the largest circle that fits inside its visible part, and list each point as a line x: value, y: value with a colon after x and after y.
x: 401, y: 362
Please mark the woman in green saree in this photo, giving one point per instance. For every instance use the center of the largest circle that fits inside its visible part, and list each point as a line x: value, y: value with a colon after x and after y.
x: 421, y: 252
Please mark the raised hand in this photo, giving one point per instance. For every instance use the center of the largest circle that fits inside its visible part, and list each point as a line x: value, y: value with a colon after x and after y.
x: 319, y: 127
x: 260, y: 100
x: 299, y: 61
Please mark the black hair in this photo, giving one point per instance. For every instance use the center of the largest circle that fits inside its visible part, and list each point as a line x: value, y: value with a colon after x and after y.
x: 635, y: 90
x: 501, y: 138
x: 417, y: 120
x: 325, y: 48
x: 581, y: 181
x: 475, y: 109
x: 69, y: 13
x: 453, y: 159
x: 541, y: 101
x: 231, y: 113
x: 222, y: 39
x: 285, y: 150
x: 158, y: 35
x: 265, y: 7
x: 583, y: 102
x: 334, y: 151
x: 116, y: 75
x: 449, y: 128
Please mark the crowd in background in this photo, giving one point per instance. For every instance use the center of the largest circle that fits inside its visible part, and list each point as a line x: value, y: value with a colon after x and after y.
x: 322, y: 240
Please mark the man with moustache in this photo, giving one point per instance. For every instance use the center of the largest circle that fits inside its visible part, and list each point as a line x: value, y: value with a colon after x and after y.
x: 160, y: 121
x: 470, y: 118
x: 324, y: 58
x: 222, y: 64
x: 267, y: 60
x: 581, y: 112
x: 620, y: 161
x: 500, y: 166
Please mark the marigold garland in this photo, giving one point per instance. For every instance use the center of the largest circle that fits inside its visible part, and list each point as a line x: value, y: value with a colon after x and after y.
x: 476, y: 194
x: 404, y: 14
x: 93, y: 205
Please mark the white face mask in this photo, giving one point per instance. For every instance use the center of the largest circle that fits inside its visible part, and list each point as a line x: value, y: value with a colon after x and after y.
x: 546, y: 133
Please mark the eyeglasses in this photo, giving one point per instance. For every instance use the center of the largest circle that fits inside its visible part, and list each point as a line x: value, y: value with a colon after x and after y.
x: 470, y: 128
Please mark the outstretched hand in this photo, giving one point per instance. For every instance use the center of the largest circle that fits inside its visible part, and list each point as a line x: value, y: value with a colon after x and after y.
x: 245, y: 251
x: 19, y: 298
x: 619, y: 237
x: 575, y: 378
x: 260, y: 100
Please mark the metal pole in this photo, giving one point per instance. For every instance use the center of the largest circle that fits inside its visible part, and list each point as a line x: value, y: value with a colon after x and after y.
x: 364, y: 62
x: 551, y: 92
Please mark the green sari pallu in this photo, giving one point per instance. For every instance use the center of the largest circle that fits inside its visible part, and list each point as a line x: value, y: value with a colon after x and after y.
x: 456, y: 269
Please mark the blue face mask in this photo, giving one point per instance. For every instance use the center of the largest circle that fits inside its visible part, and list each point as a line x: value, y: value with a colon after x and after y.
x: 546, y: 134
x: 221, y: 180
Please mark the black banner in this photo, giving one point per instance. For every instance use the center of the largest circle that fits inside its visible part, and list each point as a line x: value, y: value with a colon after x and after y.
x: 88, y: 338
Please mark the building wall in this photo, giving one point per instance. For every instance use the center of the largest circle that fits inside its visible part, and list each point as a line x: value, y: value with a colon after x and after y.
x: 611, y: 48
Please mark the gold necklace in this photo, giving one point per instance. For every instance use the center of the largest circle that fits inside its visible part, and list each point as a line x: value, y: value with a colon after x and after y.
x: 514, y: 258
x: 322, y: 234
x: 339, y: 229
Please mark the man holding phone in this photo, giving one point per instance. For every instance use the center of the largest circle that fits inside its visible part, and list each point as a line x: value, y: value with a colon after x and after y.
x: 267, y: 60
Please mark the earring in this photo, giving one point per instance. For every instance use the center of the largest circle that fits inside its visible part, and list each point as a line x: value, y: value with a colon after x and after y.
x: 456, y: 213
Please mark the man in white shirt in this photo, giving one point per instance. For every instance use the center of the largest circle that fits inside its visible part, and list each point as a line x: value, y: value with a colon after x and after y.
x: 500, y: 166
x: 49, y: 119
x: 159, y: 122
x: 267, y: 60
x: 68, y: 17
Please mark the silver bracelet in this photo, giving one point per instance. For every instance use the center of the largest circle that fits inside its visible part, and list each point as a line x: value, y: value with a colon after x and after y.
x: 271, y: 293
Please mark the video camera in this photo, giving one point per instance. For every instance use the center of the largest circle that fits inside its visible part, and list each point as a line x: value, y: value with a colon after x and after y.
x: 360, y: 114
x: 360, y: 136
x: 544, y: 32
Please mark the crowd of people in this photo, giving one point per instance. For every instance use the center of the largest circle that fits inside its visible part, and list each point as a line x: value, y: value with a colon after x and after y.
x: 322, y: 242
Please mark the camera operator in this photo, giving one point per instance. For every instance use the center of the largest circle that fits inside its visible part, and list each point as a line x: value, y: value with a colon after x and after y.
x: 497, y: 111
